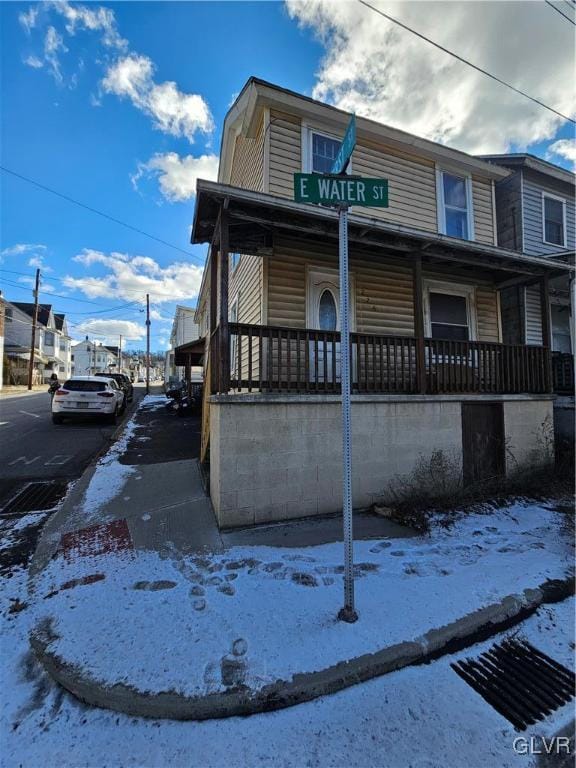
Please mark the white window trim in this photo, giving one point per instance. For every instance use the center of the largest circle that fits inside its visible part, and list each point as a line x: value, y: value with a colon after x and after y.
x: 440, y: 206
x: 330, y: 277
x: 307, y: 131
x: 453, y: 289
x: 560, y: 200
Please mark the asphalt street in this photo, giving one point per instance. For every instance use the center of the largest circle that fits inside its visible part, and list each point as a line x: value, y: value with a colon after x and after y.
x: 33, y: 448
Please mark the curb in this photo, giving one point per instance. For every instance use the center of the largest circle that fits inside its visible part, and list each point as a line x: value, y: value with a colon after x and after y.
x: 45, y: 546
x: 460, y: 634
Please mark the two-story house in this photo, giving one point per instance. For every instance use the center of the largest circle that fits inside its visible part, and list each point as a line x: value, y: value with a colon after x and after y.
x: 51, y: 345
x: 89, y: 357
x: 430, y: 372
x: 184, y: 330
x: 535, y: 209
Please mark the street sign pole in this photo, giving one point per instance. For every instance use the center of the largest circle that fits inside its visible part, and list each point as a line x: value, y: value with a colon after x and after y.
x: 341, y: 190
x: 348, y: 612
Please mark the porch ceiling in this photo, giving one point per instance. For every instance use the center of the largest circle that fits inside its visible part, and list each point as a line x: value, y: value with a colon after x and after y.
x: 256, y: 217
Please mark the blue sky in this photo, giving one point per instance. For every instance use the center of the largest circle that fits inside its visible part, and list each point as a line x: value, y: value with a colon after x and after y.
x: 89, y: 111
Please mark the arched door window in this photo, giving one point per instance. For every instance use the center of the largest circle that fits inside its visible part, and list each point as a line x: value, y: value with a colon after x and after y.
x: 327, y: 313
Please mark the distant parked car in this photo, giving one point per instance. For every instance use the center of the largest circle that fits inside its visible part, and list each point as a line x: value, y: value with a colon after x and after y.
x: 88, y: 396
x: 123, y: 382
x: 141, y: 380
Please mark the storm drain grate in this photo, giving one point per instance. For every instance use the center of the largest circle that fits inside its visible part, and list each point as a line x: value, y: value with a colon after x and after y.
x: 523, y: 684
x: 36, y: 497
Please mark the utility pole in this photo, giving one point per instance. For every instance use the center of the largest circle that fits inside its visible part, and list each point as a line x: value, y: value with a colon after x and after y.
x: 147, y: 343
x: 34, y: 324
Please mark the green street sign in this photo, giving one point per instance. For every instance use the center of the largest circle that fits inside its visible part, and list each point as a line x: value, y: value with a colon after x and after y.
x: 346, y: 148
x: 340, y: 190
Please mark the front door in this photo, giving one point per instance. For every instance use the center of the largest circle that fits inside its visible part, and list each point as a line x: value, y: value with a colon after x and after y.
x: 323, y: 314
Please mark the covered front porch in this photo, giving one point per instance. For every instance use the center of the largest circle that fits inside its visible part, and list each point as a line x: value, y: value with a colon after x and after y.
x: 439, y: 294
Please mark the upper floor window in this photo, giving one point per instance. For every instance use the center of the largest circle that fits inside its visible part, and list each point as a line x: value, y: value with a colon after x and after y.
x: 234, y: 260
x: 553, y: 220
x: 49, y: 339
x: 455, y: 205
x: 319, y: 152
x: 324, y: 150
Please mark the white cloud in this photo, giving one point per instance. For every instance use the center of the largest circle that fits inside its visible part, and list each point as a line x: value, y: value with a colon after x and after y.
x: 132, y: 277
x: 177, y: 175
x: 98, y: 19
x: 28, y: 18
x: 172, y: 111
x: 53, y: 45
x: 155, y: 315
x: 76, y: 18
x: 23, y: 248
x: 383, y: 72
x: 565, y: 148
x: 109, y: 331
x: 34, y: 62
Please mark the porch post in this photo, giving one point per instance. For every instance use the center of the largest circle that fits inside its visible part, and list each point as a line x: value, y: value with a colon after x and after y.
x: 546, y: 330
x: 418, y: 291
x: 224, y: 331
x: 212, y: 338
x: 213, y: 287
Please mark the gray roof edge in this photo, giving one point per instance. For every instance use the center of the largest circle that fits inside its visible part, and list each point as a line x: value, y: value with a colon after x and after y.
x: 527, y: 160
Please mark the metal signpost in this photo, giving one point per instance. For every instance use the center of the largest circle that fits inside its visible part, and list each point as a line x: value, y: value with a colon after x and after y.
x: 341, y: 190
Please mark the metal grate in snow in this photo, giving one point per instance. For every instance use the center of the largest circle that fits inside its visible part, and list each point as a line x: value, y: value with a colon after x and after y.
x: 36, y: 497
x: 523, y: 684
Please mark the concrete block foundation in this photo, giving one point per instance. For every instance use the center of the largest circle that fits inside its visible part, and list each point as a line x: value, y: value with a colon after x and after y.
x: 275, y: 457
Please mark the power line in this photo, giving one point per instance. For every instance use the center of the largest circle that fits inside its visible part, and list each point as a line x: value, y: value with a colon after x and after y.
x: 560, y: 12
x: 12, y: 284
x: 61, y: 296
x: 465, y: 61
x: 96, y: 211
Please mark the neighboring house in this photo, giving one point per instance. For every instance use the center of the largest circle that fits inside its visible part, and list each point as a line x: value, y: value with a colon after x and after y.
x: 64, y: 347
x: 431, y: 376
x: 51, y: 347
x: 536, y: 214
x: 184, y: 331
x: 90, y: 357
x: 2, y: 307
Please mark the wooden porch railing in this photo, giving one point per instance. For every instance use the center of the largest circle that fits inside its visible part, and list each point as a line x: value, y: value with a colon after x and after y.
x: 281, y: 359
x: 563, y: 373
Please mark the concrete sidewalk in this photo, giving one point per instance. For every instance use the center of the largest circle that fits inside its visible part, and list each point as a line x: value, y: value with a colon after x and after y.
x: 154, y: 502
x: 143, y: 606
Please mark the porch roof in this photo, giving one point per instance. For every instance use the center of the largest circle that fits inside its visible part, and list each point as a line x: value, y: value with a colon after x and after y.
x: 255, y: 216
x: 193, y: 351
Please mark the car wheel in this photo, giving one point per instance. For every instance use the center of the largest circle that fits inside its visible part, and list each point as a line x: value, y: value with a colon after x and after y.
x: 57, y: 419
x: 113, y: 417
x: 124, y: 406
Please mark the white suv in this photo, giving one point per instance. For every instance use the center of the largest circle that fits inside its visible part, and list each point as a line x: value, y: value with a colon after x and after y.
x: 88, y: 396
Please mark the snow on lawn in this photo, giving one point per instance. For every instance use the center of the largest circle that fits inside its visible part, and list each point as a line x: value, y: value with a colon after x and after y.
x: 168, y: 623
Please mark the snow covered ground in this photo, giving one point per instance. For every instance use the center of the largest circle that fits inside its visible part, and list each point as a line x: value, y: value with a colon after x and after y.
x: 166, y: 621
x: 420, y: 717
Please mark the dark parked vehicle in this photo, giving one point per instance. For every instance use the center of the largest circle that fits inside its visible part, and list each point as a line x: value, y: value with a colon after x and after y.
x: 123, y: 382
